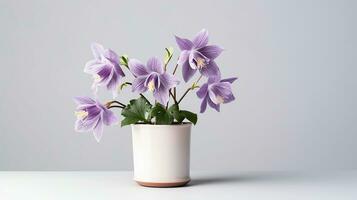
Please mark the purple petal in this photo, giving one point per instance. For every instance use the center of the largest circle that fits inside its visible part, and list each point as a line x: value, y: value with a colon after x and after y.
x: 137, y: 68
x: 202, y: 92
x: 154, y: 65
x: 201, y: 39
x: 98, y: 130
x: 162, y: 95
x: 183, y: 57
x: 210, y: 70
x: 220, y: 89
x: 93, y: 66
x: 138, y: 85
x: 97, y: 50
x: 85, y: 125
x: 229, y: 98
x: 211, y: 51
x: 204, y: 104
x: 153, y: 77
x: 109, y: 117
x: 229, y: 80
x: 194, y: 56
x: 184, y: 44
x: 84, y: 101
x: 118, y: 70
x: 217, y: 107
x: 105, y: 74
x: 187, y: 71
x: 113, y: 82
x: 168, y: 80
x: 111, y: 55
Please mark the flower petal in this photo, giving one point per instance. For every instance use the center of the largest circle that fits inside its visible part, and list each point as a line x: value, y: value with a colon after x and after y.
x: 98, y: 130
x: 83, y: 101
x: 201, y: 39
x: 93, y: 66
x: 184, y: 44
x: 109, y: 117
x: 211, y: 51
x: 202, y: 92
x: 97, y: 50
x: 118, y: 70
x: 162, y: 95
x: 217, y: 107
x: 168, y: 80
x: 183, y: 57
x: 139, y: 85
x: 229, y: 98
x: 111, y: 55
x: 204, y: 104
x: 154, y: 65
x: 85, y: 125
x: 210, y: 70
x: 137, y: 68
x: 229, y: 80
x: 187, y: 71
x: 113, y: 82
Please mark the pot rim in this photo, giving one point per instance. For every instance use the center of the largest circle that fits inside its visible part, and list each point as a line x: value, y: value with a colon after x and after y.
x: 184, y: 124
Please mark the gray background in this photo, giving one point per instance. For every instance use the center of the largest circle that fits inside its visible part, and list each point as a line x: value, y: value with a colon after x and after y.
x: 296, y: 96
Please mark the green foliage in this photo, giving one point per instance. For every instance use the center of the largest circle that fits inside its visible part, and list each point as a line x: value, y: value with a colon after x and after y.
x: 136, y: 111
x: 161, y: 115
x: 140, y: 110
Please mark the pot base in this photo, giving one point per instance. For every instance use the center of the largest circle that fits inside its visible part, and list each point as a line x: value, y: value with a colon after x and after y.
x: 163, y: 185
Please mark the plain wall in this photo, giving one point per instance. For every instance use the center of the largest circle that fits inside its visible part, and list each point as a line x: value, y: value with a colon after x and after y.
x: 296, y: 105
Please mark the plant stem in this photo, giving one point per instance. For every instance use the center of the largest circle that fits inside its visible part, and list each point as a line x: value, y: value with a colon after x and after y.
x: 111, y: 102
x: 175, y: 69
x: 190, y: 88
x: 115, y: 107
x: 145, y: 98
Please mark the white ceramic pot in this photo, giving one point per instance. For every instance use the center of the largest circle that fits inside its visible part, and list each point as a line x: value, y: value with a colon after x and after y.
x: 161, y: 154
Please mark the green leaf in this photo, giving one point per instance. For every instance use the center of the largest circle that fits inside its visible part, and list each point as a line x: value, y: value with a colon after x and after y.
x: 128, y: 121
x: 192, y: 117
x: 175, y: 112
x: 169, y: 52
x: 162, y: 116
x: 135, y: 111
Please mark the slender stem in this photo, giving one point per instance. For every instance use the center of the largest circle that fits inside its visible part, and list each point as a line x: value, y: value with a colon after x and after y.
x: 173, y: 97
x: 111, y: 102
x: 115, y: 107
x: 190, y: 88
x: 144, y: 98
x: 175, y: 69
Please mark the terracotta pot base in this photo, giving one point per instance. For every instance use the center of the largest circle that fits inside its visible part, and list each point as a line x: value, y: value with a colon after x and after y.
x: 163, y: 185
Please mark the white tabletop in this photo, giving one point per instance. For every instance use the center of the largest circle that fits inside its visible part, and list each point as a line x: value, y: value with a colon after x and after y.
x: 204, y: 185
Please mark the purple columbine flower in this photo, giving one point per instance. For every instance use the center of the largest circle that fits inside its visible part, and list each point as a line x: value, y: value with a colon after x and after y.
x: 105, y: 68
x: 216, y: 92
x: 152, y: 77
x: 91, y: 115
x: 197, y: 55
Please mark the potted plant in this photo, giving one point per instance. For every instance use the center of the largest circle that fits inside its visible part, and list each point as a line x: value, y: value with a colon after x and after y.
x: 160, y: 129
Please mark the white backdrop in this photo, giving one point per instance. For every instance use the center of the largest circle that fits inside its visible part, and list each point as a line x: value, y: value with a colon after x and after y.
x: 296, y: 95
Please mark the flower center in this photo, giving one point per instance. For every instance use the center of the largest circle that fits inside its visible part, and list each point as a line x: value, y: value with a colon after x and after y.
x: 151, y: 86
x: 219, y: 99
x: 200, y: 62
x: 97, y: 78
x: 81, y: 114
